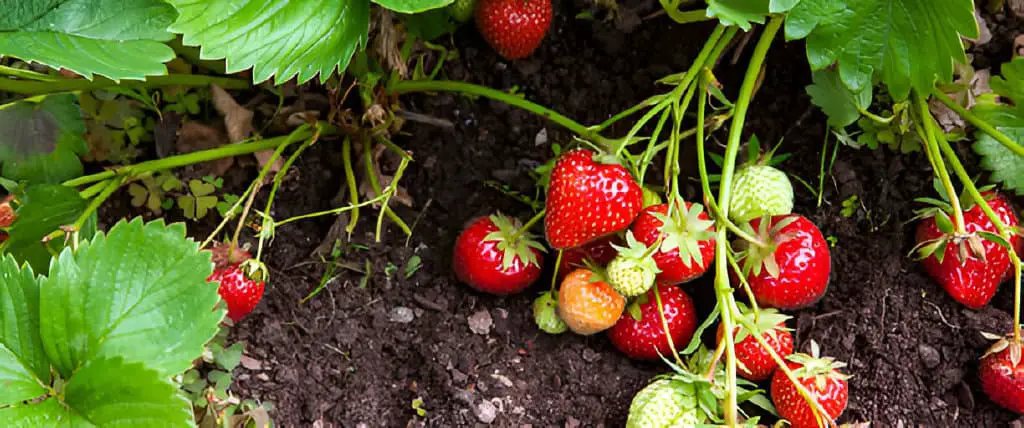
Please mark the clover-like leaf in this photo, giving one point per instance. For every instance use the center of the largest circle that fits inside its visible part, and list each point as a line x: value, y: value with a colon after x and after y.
x: 24, y: 368
x: 1007, y: 167
x: 842, y: 105
x: 41, y: 139
x: 139, y: 292
x: 43, y: 209
x: 907, y: 44
x: 113, y: 38
x: 276, y: 38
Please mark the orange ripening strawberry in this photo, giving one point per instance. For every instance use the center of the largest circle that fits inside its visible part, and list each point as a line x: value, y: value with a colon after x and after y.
x: 755, y: 363
x: 514, y: 28
x: 687, y: 240
x: 588, y: 200
x: 970, y: 266
x: 824, y: 383
x: 1002, y: 374
x: 587, y: 306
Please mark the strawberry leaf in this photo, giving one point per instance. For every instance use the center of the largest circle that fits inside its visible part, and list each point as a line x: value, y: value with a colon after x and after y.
x: 112, y: 38
x: 907, y: 44
x: 696, y: 341
x: 24, y: 368
x: 276, y: 38
x: 44, y: 208
x: 154, y: 307
x: 41, y: 140
x: 742, y: 13
x: 842, y: 105
x: 1007, y: 167
x: 412, y: 6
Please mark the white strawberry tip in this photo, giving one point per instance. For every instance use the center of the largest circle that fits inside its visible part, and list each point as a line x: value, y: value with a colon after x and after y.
x: 522, y: 245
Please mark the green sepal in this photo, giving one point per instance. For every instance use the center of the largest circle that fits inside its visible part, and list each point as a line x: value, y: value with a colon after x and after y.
x: 521, y: 248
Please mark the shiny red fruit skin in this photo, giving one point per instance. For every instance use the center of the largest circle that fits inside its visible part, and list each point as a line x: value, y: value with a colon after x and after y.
x: 758, y: 365
x: 974, y: 282
x: 514, y: 28
x: 804, y: 267
x: 587, y: 200
x: 239, y: 292
x: 1002, y: 382
x: 599, y: 251
x: 791, y: 405
x: 478, y: 263
x: 643, y: 339
x: 646, y: 229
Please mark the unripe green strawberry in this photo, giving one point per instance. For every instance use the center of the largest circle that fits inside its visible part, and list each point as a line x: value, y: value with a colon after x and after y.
x: 759, y: 190
x: 545, y: 314
x: 664, y: 403
x: 462, y: 10
x: 633, y: 270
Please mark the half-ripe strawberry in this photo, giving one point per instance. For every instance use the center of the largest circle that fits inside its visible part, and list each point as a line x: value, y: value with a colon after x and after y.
x: 969, y: 265
x: 599, y: 252
x: 514, y: 28
x: 824, y: 383
x: 640, y: 334
x: 1002, y: 374
x: 588, y: 304
x: 632, y: 272
x: 687, y: 240
x: 239, y: 290
x: 587, y: 200
x: 7, y: 216
x: 755, y: 363
x: 789, y: 266
x: 494, y: 255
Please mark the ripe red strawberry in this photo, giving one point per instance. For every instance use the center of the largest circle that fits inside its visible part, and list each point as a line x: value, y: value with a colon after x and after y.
x: 639, y: 333
x: 969, y: 267
x: 789, y: 268
x: 240, y: 291
x: 600, y: 252
x: 490, y: 258
x: 1002, y: 375
x: 688, y: 246
x: 514, y: 28
x: 588, y: 200
x: 756, y: 364
x: 824, y: 383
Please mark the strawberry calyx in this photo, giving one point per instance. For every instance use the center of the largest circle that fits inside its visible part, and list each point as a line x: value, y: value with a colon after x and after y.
x: 513, y: 241
x: 765, y: 321
x: 685, y: 232
x: 760, y: 255
x: 254, y: 270
x: 707, y: 392
x: 1003, y: 343
x: 968, y: 244
x: 820, y: 369
x: 633, y: 270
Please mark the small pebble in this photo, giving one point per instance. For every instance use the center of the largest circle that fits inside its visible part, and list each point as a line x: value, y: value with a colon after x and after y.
x: 929, y: 356
x: 402, y: 315
x: 480, y: 322
x: 485, y: 412
x: 590, y: 356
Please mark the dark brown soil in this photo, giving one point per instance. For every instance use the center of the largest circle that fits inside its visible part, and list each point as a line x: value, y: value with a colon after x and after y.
x: 345, y: 358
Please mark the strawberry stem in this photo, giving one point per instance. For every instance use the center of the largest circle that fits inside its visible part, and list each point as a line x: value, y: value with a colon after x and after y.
x: 558, y: 265
x: 526, y: 227
x: 723, y: 290
x: 979, y: 123
x: 278, y: 179
x: 29, y: 87
x: 664, y: 326
x: 938, y: 164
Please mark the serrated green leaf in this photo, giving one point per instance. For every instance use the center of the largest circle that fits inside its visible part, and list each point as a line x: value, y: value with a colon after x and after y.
x: 1006, y: 166
x: 908, y: 44
x: 44, y: 208
x: 47, y: 413
x: 113, y: 38
x: 113, y: 392
x: 837, y: 101
x: 412, y: 6
x: 24, y: 368
x: 740, y: 13
x: 276, y: 38
x: 41, y: 140
x: 153, y: 306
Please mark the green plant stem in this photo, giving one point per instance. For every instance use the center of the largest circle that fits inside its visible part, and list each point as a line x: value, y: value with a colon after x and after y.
x: 406, y: 86
x: 353, y: 186
x: 664, y: 327
x: 652, y: 101
x: 109, y: 189
x: 371, y: 174
x: 723, y: 290
x: 687, y: 17
x: 334, y: 211
x: 554, y: 276
x: 73, y: 85
x: 227, y: 151
x: 92, y: 190
x: 979, y: 123
x: 924, y: 118
x: 1003, y: 229
x: 26, y: 74
x: 527, y: 226
x: 278, y: 179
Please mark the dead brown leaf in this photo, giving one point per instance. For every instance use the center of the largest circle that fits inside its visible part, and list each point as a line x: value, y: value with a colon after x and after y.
x: 984, y: 34
x: 238, y: 121
x: 401, y: 195
x: 1017, y: 6
x: 195, y: 136
x: 388, y: 43
x: 1018, y: 45
x: 251, y: 363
